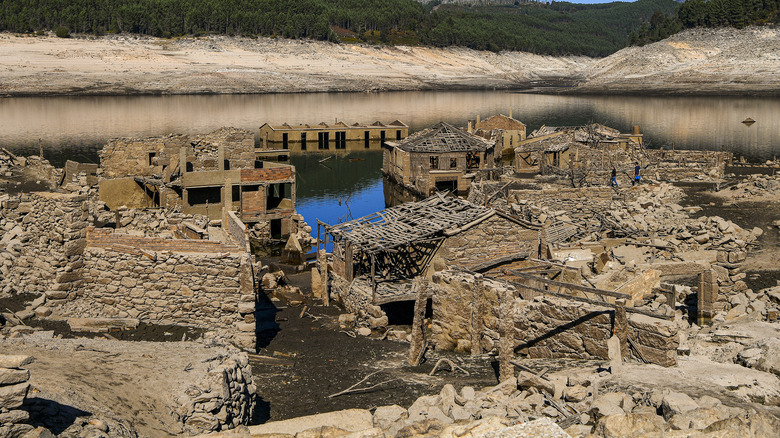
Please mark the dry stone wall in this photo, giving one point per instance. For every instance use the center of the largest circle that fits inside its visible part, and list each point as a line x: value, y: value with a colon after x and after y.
x: 223, y: 399
x: 687, y: 165
x: 169, y: 281
x: 41, y: 239
x: 465, y: 312
x: 13, y: 391
x: 494, y: 238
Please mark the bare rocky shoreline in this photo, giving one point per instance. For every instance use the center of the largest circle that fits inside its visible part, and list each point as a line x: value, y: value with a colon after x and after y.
x: 699, y: 61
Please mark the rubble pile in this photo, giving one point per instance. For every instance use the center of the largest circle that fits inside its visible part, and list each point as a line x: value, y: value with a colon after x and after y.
x: 575, y: 404
x: 755, y: 186
x: 157, y: 222
x: 223, y: 399
x: 7, y: 161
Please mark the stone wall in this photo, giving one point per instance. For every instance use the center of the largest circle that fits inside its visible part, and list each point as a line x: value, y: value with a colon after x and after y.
x: 145, y: 157
x: 169, y: 281
x: 41, y: 238
x: 236, y: 229
x: 223, y: 399
x: 493, y: 238
x: 544, y: 326
x: 131, y: 156
x: 687, y: 165
x: 107, y: 238
x: 13, y: 391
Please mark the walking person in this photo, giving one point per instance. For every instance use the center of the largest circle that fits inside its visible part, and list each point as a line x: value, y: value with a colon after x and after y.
x: 613, y: 179
x: 637, y: 170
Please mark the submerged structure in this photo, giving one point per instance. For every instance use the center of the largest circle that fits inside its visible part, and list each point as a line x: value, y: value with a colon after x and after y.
x: 438, y: 158
x: 334, y: 137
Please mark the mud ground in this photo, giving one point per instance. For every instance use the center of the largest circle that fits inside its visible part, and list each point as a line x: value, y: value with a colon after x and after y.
x: 308, y: 358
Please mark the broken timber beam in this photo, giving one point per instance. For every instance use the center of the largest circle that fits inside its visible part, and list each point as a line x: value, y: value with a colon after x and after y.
x: 417, y: 346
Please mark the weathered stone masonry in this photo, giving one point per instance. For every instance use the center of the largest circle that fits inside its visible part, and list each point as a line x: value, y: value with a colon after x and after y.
x: 466, y: 312
x: 41, y: 239
x: 168, y: 281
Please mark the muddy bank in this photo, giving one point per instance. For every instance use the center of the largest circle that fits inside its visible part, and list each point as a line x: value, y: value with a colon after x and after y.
x: 720, y: 61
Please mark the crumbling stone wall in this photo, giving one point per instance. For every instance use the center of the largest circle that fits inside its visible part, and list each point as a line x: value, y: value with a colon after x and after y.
x: 493, y: 238
x: 123, y: 157
x: 465, y: 312
x: 145, y: 157
x: 41, y: 238
x: 223, y: 399
x: 687, y: 165
x: 238, y: 144
x: 13, y: 392
x: 161, y: 281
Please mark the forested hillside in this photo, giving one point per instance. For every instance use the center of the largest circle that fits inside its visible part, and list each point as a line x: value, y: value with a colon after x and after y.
x: 558, y: 28
x: 710, y: 13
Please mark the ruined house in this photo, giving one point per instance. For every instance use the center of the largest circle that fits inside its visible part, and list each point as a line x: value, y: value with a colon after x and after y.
x: 505, y: 130
x: 438, y: 158
x: 325, y: 137
x: 553, y: 150
x: 211, y: 175
x: 374, y: 258
x: 584, y: 155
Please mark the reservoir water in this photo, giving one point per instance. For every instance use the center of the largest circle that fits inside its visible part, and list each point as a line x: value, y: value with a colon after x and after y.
x: 350, y: 185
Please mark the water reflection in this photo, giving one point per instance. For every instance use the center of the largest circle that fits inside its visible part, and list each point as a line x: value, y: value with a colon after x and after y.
x: 341, y: 188
x: 76, y: 126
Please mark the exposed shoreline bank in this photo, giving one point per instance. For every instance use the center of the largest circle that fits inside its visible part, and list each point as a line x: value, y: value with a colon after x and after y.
x: 697, y: 62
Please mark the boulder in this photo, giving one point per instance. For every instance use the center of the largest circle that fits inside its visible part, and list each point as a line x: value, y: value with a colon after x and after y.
x: 607, y: 404
x: 675, y: 403
x: 390, y: 418
x: 350, y: 420
x: 11, y: 376
x: 630, y: 425
x: 15, y: 361
x: 12, y: 396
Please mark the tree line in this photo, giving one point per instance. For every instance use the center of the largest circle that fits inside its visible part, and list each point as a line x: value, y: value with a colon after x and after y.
x: 706, y: 13
x: 558, y: 28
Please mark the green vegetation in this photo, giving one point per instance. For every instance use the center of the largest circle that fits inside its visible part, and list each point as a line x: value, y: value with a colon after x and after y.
x: 62, y: 32
x: 710, y: 13
x: 559, y: 28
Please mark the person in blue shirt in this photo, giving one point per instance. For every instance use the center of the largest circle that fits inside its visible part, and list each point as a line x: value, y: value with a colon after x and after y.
x: 637, y: 169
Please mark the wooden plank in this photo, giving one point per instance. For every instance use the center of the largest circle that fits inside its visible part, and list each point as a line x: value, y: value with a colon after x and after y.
x: 572, y: 286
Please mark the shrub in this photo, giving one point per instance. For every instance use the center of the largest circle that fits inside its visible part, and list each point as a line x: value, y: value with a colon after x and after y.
x: 62, y: 32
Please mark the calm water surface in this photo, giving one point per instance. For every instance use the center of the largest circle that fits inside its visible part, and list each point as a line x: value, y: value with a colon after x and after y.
x: 75, y: 128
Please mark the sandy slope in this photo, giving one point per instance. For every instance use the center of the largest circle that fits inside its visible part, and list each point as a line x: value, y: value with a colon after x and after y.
x: 693, y: 62
x: 128, y: 64
x: 723, y: 61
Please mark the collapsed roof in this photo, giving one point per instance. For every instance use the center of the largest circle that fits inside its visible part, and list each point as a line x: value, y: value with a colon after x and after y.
x: 443, y: 137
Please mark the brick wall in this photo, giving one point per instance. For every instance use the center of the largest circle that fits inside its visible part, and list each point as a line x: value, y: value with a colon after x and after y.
x: 253, y: 202
x: 271, y: 174
x: 107, y: 238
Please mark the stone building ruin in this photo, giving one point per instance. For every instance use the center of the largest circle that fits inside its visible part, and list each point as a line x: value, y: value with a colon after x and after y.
x: 438, y: 158
x: 211, y: 175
